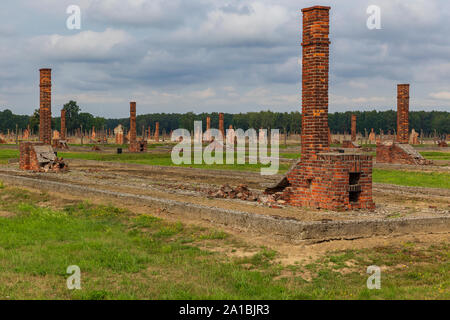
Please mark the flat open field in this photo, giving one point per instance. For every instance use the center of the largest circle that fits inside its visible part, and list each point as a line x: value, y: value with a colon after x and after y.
x: 135, y: 246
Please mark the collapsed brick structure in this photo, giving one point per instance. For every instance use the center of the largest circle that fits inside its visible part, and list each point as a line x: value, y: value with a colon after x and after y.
x: 118, y: 133
x: 323, y: 179
x: 45, y: 107
x: 135, y: 146
x: 400, y: 151
x: 39, y: 157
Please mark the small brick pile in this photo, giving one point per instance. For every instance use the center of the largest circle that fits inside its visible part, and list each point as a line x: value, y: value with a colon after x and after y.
x: 442, y: 144
x: 241, y: 192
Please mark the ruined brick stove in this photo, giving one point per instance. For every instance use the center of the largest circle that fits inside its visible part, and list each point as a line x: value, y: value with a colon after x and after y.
x: 400, y: 151
x: 135, y: 145
x: 323, y: 179
x: 40, y: 156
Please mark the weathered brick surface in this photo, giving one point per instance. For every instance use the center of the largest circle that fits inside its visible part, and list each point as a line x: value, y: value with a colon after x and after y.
x: 350, y: 144
x: 403, y: 113
x: 323, y: 179
x: 45, y: 107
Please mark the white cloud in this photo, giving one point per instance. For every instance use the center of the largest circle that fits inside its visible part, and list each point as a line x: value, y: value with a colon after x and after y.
x: 83, y: 45
x: 203, y: 94
x: 441, y: 95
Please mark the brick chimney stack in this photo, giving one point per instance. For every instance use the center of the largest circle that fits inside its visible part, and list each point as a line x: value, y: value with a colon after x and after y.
x: 221, y: 124
x: 353, y: 127
x: 63, y: 125
x: 132, y: 122
x: 45, y: 107
x: 157, y: 131
x: 403, y: 113
x: 315, y: 81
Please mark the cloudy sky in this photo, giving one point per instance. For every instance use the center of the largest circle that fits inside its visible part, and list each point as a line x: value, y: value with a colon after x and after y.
x: 224, y: 55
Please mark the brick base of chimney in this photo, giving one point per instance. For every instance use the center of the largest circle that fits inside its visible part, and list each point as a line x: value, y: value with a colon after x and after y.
x: 393, y: 152
x: 333, y: 181
x: 350, y: 144
x: 138, y: 146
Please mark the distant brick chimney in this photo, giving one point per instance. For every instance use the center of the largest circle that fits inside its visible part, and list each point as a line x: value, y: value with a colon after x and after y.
x: 403, y: 113
x: 132, y: 121
x: 45, y: 108
x: 353, y: 127
x: 63, y: 125
x: 221, y: 124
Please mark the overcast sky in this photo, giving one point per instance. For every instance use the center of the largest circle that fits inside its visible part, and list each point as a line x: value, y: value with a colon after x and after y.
x: 230, y: 56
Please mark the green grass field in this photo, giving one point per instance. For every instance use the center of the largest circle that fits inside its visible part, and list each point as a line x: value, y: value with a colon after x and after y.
x: 138, y: 256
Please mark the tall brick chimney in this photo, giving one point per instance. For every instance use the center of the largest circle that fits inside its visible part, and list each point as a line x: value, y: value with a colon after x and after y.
x: 45, y: 107
x: 315, y: 81
x: 353, y: 127
x: 157, y: 131
x: 132, y: 122
x: 221, y: 125
x: 63, y: 125
x: 403, y: 113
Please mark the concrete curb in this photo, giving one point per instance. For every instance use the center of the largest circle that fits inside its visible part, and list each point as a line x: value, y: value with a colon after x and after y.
x: 289, y: 229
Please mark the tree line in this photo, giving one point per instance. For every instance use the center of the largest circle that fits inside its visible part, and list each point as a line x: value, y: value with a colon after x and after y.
x: 340, y: 122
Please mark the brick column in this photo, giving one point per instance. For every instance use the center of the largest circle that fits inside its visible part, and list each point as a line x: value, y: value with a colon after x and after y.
x: 403, y: 113
x: 157, y: 132
x: 315, y: 81
x: 353, y: 127
x: 132, y: 122
x: 63, y: 125
x: 45, y: 107
x: 221, y: 125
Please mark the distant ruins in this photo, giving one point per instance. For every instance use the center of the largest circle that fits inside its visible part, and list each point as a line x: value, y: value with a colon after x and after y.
x: 323, y: 179
x: 400, y: 151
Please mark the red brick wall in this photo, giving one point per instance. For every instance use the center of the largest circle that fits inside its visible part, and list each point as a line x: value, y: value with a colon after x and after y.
x: 403, y: 113
x: 315, y: 81
x: 45, y: 108
x: 138, y: 146
x: 132, y: 122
